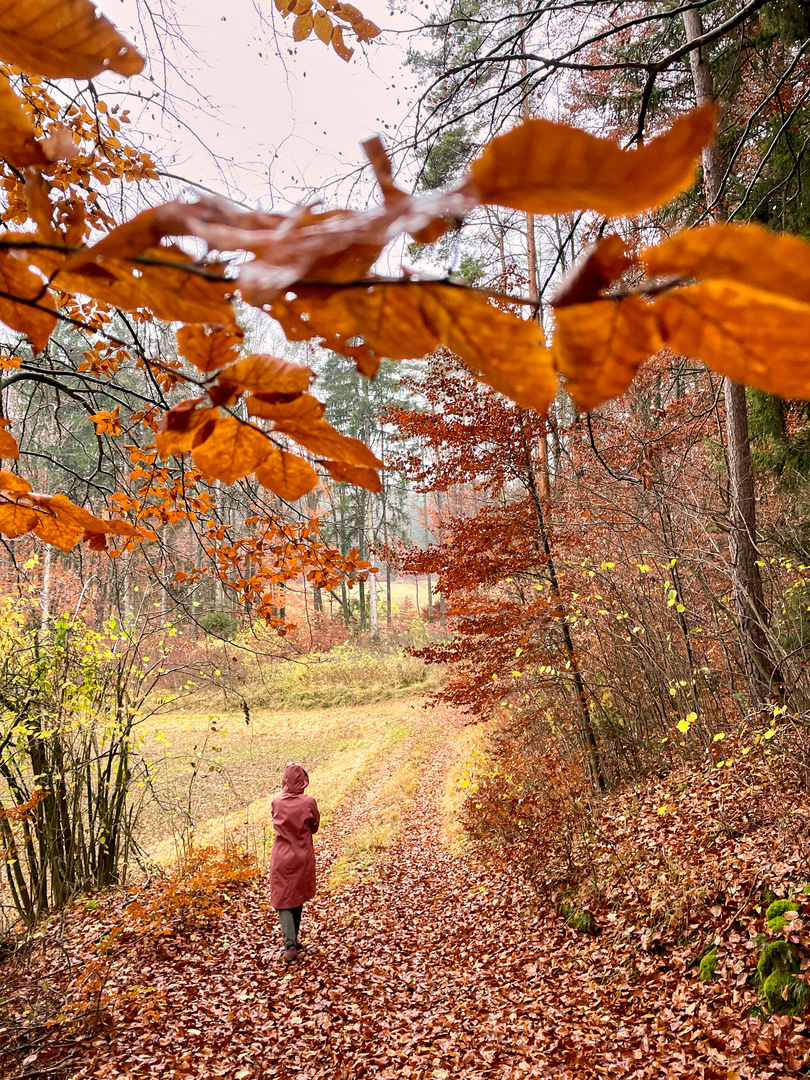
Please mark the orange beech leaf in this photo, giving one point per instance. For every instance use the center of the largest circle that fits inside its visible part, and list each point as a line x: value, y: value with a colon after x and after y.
x: 37, y: 319
x: 16, y: 519
x: 599, y: 347
x: 598, y: 268
x: 54, y: 532
x: 546, y: 168
x: 67, y: 39
x: 754, y: 337
x: 302, y: 27
x: 348, y: 12
x: 301, y: 410
x: 209, y: 347
x: 163, y: 279
x: 107, y: 422
x: 8, y: 444
x: 407, y: 321
x: 323, y: 26
x: 261, y: 373
x: 351, y: 474
x: 18, y: 137
x: 383, y: 171
x: 95, y: 541
x: 178, y: 426
x: 365, y: 29
x: 301, y: 7
x: 286, y: 475
x: 119, y: 527
x: 69, y: 514
x: 227, y: 449
x: 339, y: 45
x: 321, y: 438
x: 749, y: 254
x: 11, y: 482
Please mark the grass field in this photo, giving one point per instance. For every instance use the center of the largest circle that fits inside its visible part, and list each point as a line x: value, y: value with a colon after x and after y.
x: 213, y: 777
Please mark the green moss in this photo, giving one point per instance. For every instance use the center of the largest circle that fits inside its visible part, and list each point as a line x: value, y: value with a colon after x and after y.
x: 768, y: 895
x: 579, y: 919
x: 779, y: 907
x: 779, y: 923
x: 784, y: 994
x: 777, y: 956
x: 708, y: 965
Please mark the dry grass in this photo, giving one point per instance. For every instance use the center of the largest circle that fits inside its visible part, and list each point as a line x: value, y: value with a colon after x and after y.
x: 213, y: 777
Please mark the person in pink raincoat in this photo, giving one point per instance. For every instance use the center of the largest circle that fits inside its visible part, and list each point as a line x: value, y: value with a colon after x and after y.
x: 292, y: 864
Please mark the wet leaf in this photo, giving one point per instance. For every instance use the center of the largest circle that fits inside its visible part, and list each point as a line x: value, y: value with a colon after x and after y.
x: 37, y: 316
x: 209, y: 347
x: 351, y: 474
x: 286, y: 475
x: 226, y: 449
x: 599, y: 347
x: 66, y: 39
x: 543, y: 167
x: 408, y: 321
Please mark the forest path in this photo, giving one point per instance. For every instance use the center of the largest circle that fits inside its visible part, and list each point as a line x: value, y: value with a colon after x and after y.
x: 427, y: 966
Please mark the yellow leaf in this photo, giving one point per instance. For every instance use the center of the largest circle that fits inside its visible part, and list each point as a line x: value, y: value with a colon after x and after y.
x: 546, y: 168
x: 323, y: 26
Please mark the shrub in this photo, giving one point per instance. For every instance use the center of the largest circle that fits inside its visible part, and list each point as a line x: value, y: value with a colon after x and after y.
x: 220, y: 624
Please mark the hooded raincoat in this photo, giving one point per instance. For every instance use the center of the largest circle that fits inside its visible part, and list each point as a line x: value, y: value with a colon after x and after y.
x: 292, y: 864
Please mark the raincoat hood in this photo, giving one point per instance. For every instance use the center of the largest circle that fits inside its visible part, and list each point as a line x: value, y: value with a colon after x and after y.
x: 295, y: 780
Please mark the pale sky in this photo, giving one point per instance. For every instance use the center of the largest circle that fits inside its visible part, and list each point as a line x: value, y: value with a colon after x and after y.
x: 279, y: 125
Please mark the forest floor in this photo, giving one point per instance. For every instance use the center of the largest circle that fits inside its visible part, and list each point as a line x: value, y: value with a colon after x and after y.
x: 423, y: 963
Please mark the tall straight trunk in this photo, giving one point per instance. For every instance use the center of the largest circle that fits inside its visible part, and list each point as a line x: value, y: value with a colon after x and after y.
x: 761, y: 668
x: 373, y: 618
x: 45, y: 595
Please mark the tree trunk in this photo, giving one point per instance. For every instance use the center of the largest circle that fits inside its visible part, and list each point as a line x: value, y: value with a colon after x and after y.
x: 373, y: 620
x: 45, y: 595
x: 760, y: 664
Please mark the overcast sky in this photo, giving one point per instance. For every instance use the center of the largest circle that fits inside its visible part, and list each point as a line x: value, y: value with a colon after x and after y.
x: 244, y: 116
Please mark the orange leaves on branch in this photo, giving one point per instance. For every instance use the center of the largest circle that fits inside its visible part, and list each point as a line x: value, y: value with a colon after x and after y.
x: 600, y: 346
x: 8, y: 444
x: 286, y: 475
x: 351, y: 474
x: 736, y: 297
x: 400, y: 320
x: 209, y: 347
x: 25, y: 303
x: 65, y: 40
x: 107, y: 422
x: 227, y: 449
x: 546, y: 168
